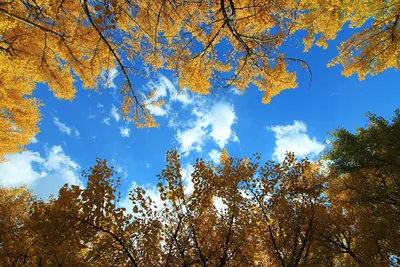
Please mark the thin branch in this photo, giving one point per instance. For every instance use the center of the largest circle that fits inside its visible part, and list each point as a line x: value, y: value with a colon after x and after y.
x: 111, y: 49
x: 18, y: 18
x: 116, y: 238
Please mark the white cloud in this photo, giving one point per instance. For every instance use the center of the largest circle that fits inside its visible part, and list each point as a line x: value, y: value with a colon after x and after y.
x: 114, y: 113
x: 167, y: 90
x: 106, y: 120
x: 191, y: 139
x: 109, y: 77
x: 125, y: 131
x: 147, y: 164
x: 18, y: 169
x: 236, y: 91
x: 293, y: 138
x: 182, y: 96
x: 175, y: 93
x: 207, y: 121
x: 99, y: 105
x: 215, y: 155
x: 213, y: 123
x: 62, y: 126
x: 34, y: 140
x: 44, y: 175
x: 186, y: 173
x: 222, y: 117
x: 157, y: 110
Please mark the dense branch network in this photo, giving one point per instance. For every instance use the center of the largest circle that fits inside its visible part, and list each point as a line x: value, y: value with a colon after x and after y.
x: 208, y: 44
x: 239, y: 213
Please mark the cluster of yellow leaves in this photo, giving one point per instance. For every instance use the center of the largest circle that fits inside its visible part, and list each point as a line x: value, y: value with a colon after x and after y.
x: 224, y: 43
x: 19, y: 115
x: 42, y: 42
x: 369, y: 51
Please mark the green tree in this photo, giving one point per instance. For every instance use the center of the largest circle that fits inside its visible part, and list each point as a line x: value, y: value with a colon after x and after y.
x: 365, y: 185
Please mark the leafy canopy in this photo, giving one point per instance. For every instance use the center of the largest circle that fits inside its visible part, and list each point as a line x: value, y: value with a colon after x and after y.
x: 238, y: 213
x: 207, y: 44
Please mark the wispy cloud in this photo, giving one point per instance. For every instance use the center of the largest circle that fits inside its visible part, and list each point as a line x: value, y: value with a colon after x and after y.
x: 77, y: 133
x: 106, y: 120
x: 109, y: 76
x: 62, y: 126
x: 125, y: 131
x: 168, y: 91
x: 114, y: 113
x: 208, y: 120
x: 34, y: 140
x: 294, y: 138
x: 121, y: 171
x: 147, y: 164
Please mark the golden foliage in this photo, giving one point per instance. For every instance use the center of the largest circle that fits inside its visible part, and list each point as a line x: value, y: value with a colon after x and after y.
x: 207, y: 44
x: 239, y: 213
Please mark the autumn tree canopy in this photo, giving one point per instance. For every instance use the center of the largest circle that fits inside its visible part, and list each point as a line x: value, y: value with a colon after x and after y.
x: 238, y: 213
x: 207, y: 44
x: 367, y: 170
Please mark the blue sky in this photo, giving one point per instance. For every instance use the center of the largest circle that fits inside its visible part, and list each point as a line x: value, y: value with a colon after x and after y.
x: 74, y: 133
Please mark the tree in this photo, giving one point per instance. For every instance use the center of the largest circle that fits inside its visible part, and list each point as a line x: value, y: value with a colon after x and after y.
x: 207, y: 44
x: 371, y: 50
x: 366, y: 170
x: 16, y: 240
x: 238, y: 213
x: 270, y: 219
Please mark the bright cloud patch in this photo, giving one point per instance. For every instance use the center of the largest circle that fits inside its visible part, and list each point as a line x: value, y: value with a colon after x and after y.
x: 215, y: 155
x: 109, y: 76
x: 208, y: 120
x: 186, y: 173
x: 34, y: 140
x: 191, y: 139
x: 157, y: 110
x: 293, y: 138
x: 213, y: 124
x: 125, y: 131
x: 221, y: 118
x: 45, y: 175
x: 114, y: 113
